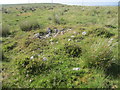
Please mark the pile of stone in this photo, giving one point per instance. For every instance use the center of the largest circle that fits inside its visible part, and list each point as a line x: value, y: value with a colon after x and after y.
x: 51, y: 33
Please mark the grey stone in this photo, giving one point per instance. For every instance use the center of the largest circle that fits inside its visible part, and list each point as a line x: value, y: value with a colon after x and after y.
x: 76, y: 69
x: 45, y: 59
x: 37, y: 35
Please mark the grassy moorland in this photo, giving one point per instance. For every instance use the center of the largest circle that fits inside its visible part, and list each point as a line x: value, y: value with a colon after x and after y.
x: 80, y: 51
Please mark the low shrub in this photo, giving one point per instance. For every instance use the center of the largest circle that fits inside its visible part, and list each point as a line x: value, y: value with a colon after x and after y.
x: 29, y: 25
x: 2, y: 55
x: 30, y: 66
x: 9, y: 46
x: 102, y: 32
x: 34, y: 45
x: 73, y: 50
x: 4, y: 30
x: 56, y: 79
x: 34, y: 64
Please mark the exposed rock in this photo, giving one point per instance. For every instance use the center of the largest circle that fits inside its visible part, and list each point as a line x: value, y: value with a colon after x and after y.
x: 48, y: 35
x: 69, y: 39
x: 72, y: 36
x: 32, y: 57
x: 37, y: 35
x: 56, y: 30
x: 45, y: 59
x: 84, y: 33
x: 110, y: 41
x: 76, y: 69
x: 69, y: 29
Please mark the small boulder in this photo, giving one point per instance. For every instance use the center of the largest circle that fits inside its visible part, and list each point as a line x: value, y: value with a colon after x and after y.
x: 37, y: 35
x: 45, y: 59
x: 32, y: 57
x: 69, y: 39
x: 72, y: 36
x: 84, y: 33
x: 76, y: 69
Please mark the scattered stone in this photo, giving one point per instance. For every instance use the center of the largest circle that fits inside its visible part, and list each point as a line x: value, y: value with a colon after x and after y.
x: 76, y: 69
x: 52, y: 43
x: 55, y: 35
x: 83, y: 9
x: 84, y: 33
x: 47, y: 35
x: 32, y: 57
x: 30, y: 80
x: 27, y: 75
x: 72, y: 36
x: 23, y: 65
x: 38, y: 48
x: 33, y: 51
x: 74, y: 32
x: 49, y: 31
x: 45, y: 59
x: 69, y: 39
x: 56, y: 30
x: 62, y: 32
x: 37, y: 35
x: 110, y: 41
x: 38, y: 54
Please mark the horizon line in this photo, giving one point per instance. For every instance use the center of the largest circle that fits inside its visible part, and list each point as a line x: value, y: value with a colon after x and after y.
x: 69, y: 3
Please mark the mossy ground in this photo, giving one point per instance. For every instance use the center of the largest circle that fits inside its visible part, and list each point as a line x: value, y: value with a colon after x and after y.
x: 95, y: 52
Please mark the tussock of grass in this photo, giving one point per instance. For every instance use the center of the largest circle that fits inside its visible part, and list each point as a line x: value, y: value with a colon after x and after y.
x: 29, y: 25
x: 4, y: 30
x: 102, y: 32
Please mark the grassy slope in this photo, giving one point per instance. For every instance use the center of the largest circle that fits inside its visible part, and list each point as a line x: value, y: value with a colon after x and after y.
x: 57, y: 71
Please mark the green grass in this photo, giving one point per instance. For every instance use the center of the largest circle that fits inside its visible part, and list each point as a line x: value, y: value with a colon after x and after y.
x: 95, y: 53
x: 4, y: 30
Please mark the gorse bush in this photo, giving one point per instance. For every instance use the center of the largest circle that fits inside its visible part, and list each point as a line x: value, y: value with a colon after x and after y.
x: 4, y: 30
x: 29, y: 25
